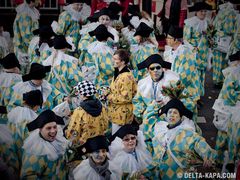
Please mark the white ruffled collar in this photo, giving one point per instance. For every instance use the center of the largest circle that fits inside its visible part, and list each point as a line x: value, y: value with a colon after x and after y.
x: 24, y: 8
x: 7, y: 79
x: 36, y: 145
x: 78, y: 15
x: 20, y: 114
x: 99, y: 47
x: 227, y: 5
x: 197, y: 24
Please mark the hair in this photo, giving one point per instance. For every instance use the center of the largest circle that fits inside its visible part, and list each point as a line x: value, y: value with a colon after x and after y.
x: 123, y: 55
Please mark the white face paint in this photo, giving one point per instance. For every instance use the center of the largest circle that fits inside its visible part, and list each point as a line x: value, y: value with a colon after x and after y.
x: 99, y: 156
x: 173, y: 116
x: 129, y: 142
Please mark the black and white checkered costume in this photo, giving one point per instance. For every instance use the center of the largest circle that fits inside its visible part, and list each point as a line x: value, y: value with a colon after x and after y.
x: 86, y: 88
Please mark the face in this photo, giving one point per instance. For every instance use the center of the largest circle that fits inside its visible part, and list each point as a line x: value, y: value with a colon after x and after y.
x: 77, y: 6
x: 173, y: 116
x: 49, y: 131
x: 155, y: 71
x: 117, y: 61
x: 201, y: 14
x: 170, y: 40
x: 37, y: 82
x: 99, y: 156
x: 104, y: 19
x: 129, y: 142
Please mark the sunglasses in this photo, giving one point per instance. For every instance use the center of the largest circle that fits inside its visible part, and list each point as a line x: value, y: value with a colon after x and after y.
x: 128, y: 139
x: 156, y: 67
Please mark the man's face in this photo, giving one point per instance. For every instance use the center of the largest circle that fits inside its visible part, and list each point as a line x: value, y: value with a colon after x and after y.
x: 155, y: 70
x: 77, y: 6
x: 173, y: 116
x: 49, y: 131
x: 170, y: 41
x: 104, y: 19
x: 129, y: 142
x: 99, y: 156
x: 201, y: 14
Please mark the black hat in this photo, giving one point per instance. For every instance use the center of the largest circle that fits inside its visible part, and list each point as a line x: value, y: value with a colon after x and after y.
x: 37, y: 72
x: 235, y: 57
x: 44, y: 32
x: 155, y: 58
x: 177, y: 104
x: 134, y: 10
x: 101, y: 33
x: 75, y: 1
x: 200, y: 6
x: 44, y: 118
x: 96, y: 143
x: 124, y: 130
x: 33, y: 98
x: 114, y: 9
x: 143, y: 30
x: 175, y: 32
x: 10, y: 61
x: 96, y: 15
x: 60, y: 42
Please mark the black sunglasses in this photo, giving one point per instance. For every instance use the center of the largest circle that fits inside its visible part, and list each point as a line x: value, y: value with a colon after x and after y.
x: 156, y: 67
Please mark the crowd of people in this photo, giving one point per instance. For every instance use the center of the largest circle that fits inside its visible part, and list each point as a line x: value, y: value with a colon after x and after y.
x: 92, y: 96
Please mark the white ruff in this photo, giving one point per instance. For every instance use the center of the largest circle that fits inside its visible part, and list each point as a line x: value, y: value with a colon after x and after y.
x: 36, y: 145
x: 7, y: 79
x: 25, y: 9
x: 99, y: 47
x: 197, y: 24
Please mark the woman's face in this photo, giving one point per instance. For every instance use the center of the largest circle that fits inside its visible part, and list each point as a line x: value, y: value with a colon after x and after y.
x: 173, y: 116
x: 49, y: 131
x: 99, y: 156
x: 129, y: 142
x: 117, y: 61
x: 104, y: 19
x: 201, y: 14
x: 77, y: 6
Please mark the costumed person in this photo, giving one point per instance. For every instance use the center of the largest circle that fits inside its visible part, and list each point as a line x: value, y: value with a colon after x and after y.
x: 25, y: 23
x: 5, y: 42
x: 65, y: 73
x: 141, y: 46
x: 184, y: 64
x: 122, y: 90
x: 44, y: 150
x: 101, y: 17
x: 35, y: 80
x: 101, y: 54
x: 19, y: 117
x: 8, y: 162
x: 226, y: 116
x: 70, y: 20
x: 224, y: 24
x: 173, y: 12
x: 41, y: 42
x: 195, y: 33
x: 88, y: 120
x: 97, y: 166
x: 10, y: 75
x: 149, y: 88
x: 128, y: 150
x: 177, y: 147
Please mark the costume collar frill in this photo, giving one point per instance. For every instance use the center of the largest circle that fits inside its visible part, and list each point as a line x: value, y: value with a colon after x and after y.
x: 5, y: 135
x: 85, y: 171
x: 136, y: 47
x: 145, y: 86
x: 35, y: 43
x: 99, y: 47
x: 25, y: 9
x: 23, y: 87
x: 20, y: 114
x: 233, y: 71
x: 77, y: 16
x: 56, y: 57
x: 226, y: 6
x: 197, y: 24
x: 7, y: 79
x: 163, y: 135
x: 130, y: 162
x: 36, y: 145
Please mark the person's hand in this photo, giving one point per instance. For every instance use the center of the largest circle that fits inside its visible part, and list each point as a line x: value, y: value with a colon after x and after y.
x: 67, y: 98
x: 138, y: 38
x: 207, y: 163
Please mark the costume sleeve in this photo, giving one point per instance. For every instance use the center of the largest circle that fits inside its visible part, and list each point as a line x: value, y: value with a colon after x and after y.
x: 138, y: 105
x: 187, y: 33
x: 32, y: 166
x: 126, y: 91
x: 55, y: 98
x: 63, y: 22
